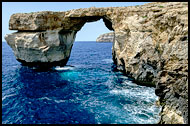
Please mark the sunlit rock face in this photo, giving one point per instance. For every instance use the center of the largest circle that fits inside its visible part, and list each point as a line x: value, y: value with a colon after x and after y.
x: 45, y: 38
x: 42, y: 49
x: 150, y: 45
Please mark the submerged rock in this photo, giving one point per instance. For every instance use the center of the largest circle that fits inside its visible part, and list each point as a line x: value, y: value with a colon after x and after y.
x: 107, y: 37
x: 150, y: 45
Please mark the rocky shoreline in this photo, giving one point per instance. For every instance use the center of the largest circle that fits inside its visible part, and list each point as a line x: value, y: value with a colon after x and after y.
x: 150, y: 45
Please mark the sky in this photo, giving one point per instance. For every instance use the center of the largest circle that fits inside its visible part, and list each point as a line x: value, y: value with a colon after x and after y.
x: 89, y: 32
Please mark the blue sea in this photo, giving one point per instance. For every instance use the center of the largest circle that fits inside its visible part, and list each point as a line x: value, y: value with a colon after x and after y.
x: 89, y: 90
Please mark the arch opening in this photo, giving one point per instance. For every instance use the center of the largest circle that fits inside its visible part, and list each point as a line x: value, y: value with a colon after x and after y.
x: 94, y: 26
x: 91, y: 30
x: 88, y: 19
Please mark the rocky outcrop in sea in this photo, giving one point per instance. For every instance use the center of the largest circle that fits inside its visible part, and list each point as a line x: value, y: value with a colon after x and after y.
x: 107, y: 37
x: 150, y: 45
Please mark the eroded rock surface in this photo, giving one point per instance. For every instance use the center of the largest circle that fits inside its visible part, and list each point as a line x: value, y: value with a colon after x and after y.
x: 43, y: 49
x: 107, y: 37
x: 150, y: 45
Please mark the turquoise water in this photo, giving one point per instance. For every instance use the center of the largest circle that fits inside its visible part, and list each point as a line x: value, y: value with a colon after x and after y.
x: 89, y: 90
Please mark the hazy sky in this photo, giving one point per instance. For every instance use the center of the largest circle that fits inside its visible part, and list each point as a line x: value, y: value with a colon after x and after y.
x: 89, y: 32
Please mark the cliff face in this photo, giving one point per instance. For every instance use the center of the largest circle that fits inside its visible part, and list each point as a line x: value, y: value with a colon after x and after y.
x: 150, y: 45
x: 107, y: 37
x: 153, y: 49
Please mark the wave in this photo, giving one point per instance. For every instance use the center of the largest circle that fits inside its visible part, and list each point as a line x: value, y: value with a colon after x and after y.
x: 7, y: 96
x: 108, y: 60
x: 64, y: 68
x: 122, y: 92
x: 49, y: 99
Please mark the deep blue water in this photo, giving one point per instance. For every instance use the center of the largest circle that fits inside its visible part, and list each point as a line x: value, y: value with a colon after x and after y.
x: 86, y: 91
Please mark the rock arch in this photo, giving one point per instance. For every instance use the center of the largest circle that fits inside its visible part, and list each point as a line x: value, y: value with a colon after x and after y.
x: 150, y: 45
x: 45, y: 39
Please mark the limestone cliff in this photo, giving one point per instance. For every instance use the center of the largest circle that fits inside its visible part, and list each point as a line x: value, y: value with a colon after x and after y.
x: 150, y: 45
x: 107, y: 37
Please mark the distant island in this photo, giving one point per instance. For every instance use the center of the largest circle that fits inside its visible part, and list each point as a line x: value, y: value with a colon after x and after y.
x: 107, y: 37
